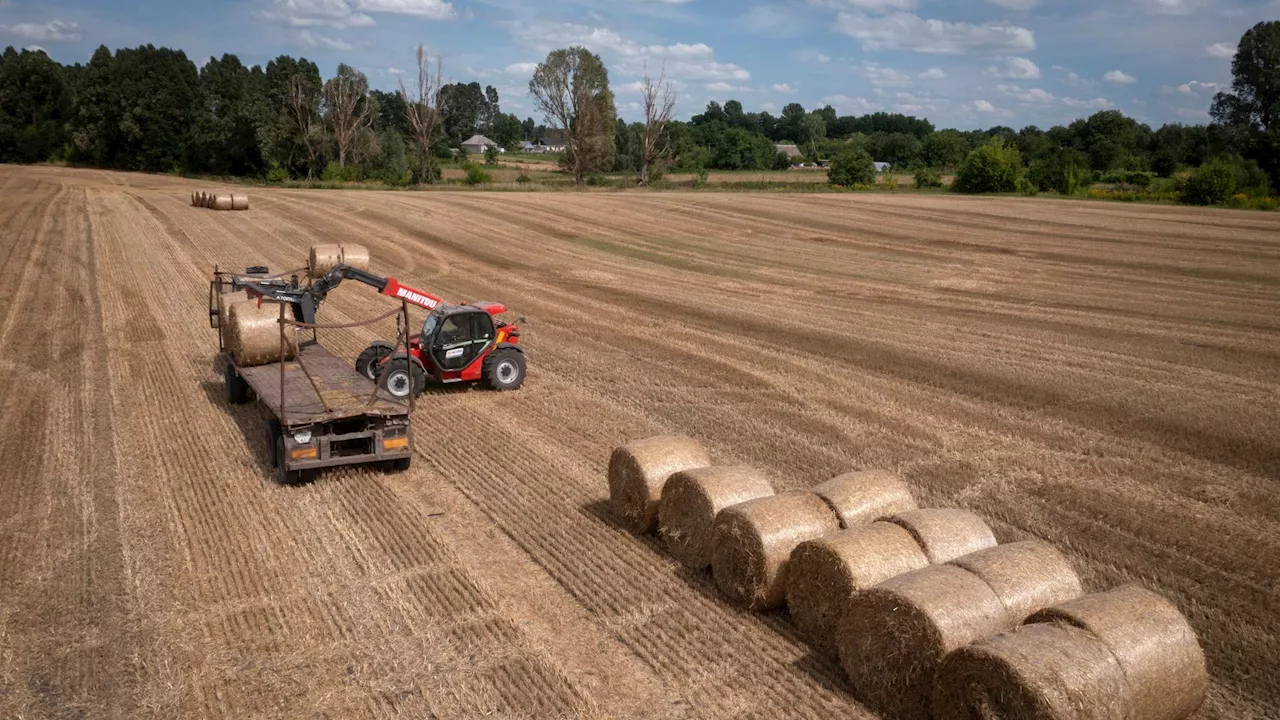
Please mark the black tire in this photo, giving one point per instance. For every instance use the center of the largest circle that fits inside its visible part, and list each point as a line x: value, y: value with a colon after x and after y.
x: 273, y: 436
x: 403, y: 376
x: 504, y: 369
x: 368, y: 362
x: 283, y: 476
x: 237, y: 388
x: 399, y: 464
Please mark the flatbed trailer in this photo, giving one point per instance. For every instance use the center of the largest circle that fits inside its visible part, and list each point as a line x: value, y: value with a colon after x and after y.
x: 323, y: 412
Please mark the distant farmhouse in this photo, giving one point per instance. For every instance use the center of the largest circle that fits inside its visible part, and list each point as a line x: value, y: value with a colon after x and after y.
x: 792, y: 151
x: 477, y: 144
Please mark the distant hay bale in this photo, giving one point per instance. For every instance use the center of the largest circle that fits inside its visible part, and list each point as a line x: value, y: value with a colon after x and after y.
x: 638, y: 471
x: 866, y: 496
x: 752, y: 545
x: 824, y: 574
x: 326, y: 257
x: 239, y: 201
x: 894, y: 636
x: 1027, y: 576
x: 691, y: 499
x: 1038, y: 672
x: 255, y: 333
x: 193, y: 198
x: 1152, y: 642
x: 205, y: 199
x: 222, y: 202
x: 946, y: 533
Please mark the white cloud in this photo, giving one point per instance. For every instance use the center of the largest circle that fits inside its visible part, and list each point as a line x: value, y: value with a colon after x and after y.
x: 932, y: 74
x: 727, y: 87
x: 1015, y: 4
x: 1222, y: 50
x: 782, y: 88
x: 1094, y: 104
x: 768, y: 107
x: 395, y: 71
x: 884, y: 75
x: 981, y: 106
x: 1034, y: 95
x: 875, y: 6
x: 52, y: 31
x: 823, y: 58
x: 1117, y: 77
x: 682, y: 60
x: 313, y: 13
x: 37, y: 48
x: 1172, y: 7
x: 523, y: 68
x: 846, y: 104
x: 905, y: 31
x: 1195, y: 87
x: 429, y: 9
x: 309, y: 39
x: 1014, y: 68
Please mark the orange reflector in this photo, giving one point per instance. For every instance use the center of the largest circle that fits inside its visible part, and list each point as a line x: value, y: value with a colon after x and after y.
x: 304, y: 453
x: 395, y: 443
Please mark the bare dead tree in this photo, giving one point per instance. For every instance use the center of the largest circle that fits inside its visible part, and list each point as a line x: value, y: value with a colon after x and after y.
x: 347, y: 109
x: 659, y: 99
x: 302, y: 113
x: 423, y: 110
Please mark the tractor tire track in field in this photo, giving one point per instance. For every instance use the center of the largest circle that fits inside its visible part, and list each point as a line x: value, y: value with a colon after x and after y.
x: 1095, y: 375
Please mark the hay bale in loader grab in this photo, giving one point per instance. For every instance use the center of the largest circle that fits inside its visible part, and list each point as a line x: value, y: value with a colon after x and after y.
x: 639, y: 470
x: 255, y: 334
x: 1038, y: 672
x: 690, y: 501
x: 1155, y: 646
x: 946, y: 533
x: 753, y: 541
x: 324, y: 258
x: 862, y: 497
x: 825, y: 574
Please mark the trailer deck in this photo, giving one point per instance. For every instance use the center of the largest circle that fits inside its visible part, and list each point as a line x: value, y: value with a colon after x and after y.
x: 328, y: 390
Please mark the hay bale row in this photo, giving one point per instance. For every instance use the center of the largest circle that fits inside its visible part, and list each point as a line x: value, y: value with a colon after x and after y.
x: 324, y: 258
x: 637, y: 471
x: 862, y: 497
x: 254, y: 332
x: 214, y: 201
x: 1126, y: 654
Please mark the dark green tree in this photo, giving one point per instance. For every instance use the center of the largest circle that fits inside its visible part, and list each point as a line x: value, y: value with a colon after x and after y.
x: 1249, y: 115
x: 852, y: 165
x: 34, y: 107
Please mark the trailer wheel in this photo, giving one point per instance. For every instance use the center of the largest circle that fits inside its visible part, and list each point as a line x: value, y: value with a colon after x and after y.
x: 273, y: 436
x: 504, y: 370
x: 237, y: 388
x: 283, y: 476
x: 400, y: 464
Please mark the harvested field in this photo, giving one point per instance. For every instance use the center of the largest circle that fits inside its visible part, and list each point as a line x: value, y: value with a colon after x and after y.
x: 1102, y: 377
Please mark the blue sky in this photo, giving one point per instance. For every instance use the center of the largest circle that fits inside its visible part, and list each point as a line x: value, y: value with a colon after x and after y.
x: 961, y: 64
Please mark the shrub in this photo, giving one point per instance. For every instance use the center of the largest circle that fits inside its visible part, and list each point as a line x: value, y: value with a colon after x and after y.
x: 891, y: 180
x: 477, y: 175
x: 276, y: 174
x: 781, y: 161
x: 699, y: 177
x: 1211, y: 184
x: 1136, y: 178
x: 523, y: 178
x: 851, y: 166
x: 597, y: 180
x: 1028, y: 188
x: 928, y: 178
x: 490, y: 155
x: 992, y: 168
x: 336, y: 173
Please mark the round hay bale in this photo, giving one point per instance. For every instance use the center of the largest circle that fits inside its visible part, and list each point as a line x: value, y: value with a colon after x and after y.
x: 1153, y: 643
x: 239, y: 201
x: 946, y: 533
x: 255, y: 333
x: 205, y: 199
x: 824, y: 575
x: 1038, y: 672
x: 225, y: 300
x: 691, y: 499
x: 638, y: 471
x: 752, y: 545
x: 866, y: 496
x: 894, y: 636
x: 357, y: 256
x: 323, y: 259
x: 1027, y: 576
x: 193, y: 198
x: 222, y: 202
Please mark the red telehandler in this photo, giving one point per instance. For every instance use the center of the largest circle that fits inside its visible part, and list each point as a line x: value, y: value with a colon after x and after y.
x: 457, y: 344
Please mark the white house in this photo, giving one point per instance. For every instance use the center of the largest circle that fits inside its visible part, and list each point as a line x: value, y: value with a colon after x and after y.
x: 882, y: 166
x: 477, y: 144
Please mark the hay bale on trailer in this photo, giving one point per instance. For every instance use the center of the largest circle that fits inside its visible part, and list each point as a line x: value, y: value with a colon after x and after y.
x: 690, y: 501
x: 639, y: 470
x: 752, y: 544
x: 826, y: 573
x: 866, y: 496
x: 894, y: 636
x: 946, y: 533
x: 1027, y: 576
x: 225, y: 300
x: 1038, y: 672
x: 255, y: 333
x: 1155, y: 646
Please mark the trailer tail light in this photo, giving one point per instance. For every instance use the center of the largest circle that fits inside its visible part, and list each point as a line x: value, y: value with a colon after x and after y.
x: 304, y: 453
x: 399, y: 443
